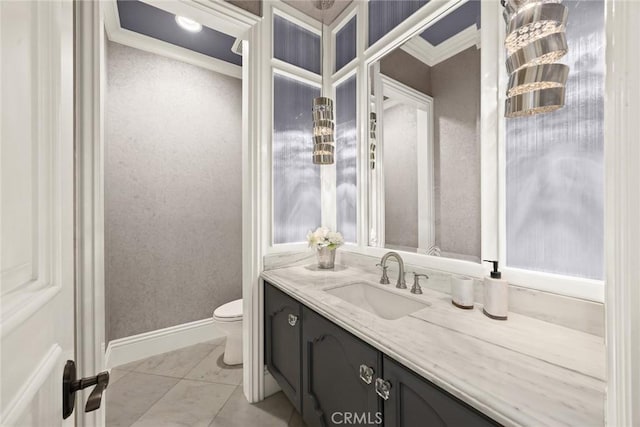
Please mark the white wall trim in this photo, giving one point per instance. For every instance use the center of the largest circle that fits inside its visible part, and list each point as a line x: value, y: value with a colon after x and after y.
x: 136, y: 347
x: 432, y: 55
x: 400, y: 93
x: 149, y: 44
x: 397, y: 90
x: 622, y: 210
x: 16, y: 408
x: 254, y: 209
x: 89, y: 196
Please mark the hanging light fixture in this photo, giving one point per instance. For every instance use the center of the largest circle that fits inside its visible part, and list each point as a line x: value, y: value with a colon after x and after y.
x: 322, y: 110
x: 323, y: 131
x: 535, y: 40
x: 373, y: 124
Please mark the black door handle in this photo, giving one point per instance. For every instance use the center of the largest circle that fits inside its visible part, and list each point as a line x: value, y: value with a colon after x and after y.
x: 70, y: 385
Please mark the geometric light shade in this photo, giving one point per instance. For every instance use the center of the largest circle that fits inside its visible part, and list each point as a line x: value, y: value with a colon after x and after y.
x: 534, y: 102
x: 323, y: 131
x: 533, y: 21
x: 535, y: 40
x: 537, y: 77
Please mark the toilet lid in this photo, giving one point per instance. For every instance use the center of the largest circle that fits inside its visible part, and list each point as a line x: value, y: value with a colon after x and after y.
x: 230, y: 310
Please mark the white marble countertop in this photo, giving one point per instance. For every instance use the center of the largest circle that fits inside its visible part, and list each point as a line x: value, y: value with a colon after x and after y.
x: 521, y: 372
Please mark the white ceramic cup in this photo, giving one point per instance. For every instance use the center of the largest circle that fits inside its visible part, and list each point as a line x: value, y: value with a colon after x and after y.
x: 462, y: 295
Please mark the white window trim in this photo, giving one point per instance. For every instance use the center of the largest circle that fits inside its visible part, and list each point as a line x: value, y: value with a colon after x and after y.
x: 271, y: 67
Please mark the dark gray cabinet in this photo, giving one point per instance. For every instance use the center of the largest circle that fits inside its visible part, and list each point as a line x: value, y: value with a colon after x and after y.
x: 283, y: 329
x: 338, y: 373
x: 415, y: 402
x: 334, y: 378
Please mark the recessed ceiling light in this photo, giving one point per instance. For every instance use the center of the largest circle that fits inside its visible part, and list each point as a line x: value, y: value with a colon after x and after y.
x: 188, y: 24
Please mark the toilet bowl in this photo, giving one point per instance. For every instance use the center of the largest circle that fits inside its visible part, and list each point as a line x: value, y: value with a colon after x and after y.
x: 228, y: 317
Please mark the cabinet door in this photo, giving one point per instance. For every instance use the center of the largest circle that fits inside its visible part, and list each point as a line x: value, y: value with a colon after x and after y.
x: 415, y: 402
x: 282, y: 320
x: 333, y: 391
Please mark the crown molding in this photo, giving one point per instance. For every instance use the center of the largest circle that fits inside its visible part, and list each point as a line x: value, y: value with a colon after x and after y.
x: 433, y: 55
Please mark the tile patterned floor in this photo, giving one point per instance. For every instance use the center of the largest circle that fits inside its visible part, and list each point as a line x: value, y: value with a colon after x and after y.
x: 190, y: 387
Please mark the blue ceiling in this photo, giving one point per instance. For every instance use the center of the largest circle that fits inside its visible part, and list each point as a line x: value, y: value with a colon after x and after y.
x: 153, y: 22
x: 456, y: 21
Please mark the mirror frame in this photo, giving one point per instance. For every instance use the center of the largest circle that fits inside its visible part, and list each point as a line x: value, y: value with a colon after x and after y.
x: 490, y: 57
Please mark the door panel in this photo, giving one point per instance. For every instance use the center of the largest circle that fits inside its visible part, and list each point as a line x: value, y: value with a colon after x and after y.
x: 415, y: 402
x: 331, y: 359
x: 282, y: 341
x: 36, y: 211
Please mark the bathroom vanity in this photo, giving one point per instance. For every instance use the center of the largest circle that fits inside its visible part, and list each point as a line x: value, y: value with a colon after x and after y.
x: 325, y: 370
x: 422, y: 362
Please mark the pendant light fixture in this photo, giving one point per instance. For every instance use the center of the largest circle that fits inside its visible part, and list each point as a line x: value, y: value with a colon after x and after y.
x: 322, y: 109
x: 535, y: 40
x: 373, y: 124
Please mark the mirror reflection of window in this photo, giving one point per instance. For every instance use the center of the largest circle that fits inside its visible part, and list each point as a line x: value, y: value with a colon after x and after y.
x: 426, y: 185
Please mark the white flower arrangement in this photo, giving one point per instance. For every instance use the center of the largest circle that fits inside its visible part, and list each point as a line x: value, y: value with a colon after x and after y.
x: 324, y: 238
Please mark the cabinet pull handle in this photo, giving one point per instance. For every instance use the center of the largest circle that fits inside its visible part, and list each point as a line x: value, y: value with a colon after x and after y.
x: 366, y: 374
x: 383, y: 388
x: 292, y: 319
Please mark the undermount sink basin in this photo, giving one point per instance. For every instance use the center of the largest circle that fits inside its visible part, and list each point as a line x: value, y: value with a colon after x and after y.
x: 385, y: 304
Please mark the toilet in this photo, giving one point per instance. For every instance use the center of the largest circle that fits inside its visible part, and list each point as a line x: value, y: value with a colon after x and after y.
x: 228, y: 317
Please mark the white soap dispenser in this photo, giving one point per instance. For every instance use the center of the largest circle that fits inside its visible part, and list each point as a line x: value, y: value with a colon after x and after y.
x: 496, y: 294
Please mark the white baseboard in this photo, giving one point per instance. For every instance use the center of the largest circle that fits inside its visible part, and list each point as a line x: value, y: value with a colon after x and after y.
x: 136, y: 347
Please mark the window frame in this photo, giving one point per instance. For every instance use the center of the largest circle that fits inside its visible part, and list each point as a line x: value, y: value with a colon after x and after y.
x: 271, y: 67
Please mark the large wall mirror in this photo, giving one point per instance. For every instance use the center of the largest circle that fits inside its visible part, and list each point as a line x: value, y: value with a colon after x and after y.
x: 424, y: 140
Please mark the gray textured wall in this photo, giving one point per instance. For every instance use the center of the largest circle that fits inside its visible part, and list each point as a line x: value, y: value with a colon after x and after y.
x: 172, y: 191
x: 455, y: 87
x: 406, y: 69
x: 401, y: 176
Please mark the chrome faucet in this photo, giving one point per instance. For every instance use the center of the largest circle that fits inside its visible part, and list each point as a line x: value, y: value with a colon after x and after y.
x: 401, y: 283
x: 416, y: 289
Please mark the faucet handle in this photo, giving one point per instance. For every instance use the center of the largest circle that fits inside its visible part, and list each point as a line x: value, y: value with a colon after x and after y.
x: 384, y: 280
x: 416, y: 289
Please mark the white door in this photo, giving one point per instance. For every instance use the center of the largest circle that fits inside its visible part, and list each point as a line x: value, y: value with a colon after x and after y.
x: 36, y: 212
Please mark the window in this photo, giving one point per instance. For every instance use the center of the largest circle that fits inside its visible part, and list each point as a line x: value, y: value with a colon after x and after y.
x: 346, y: 44
x: 385, y: 15
x: 296, y: 45
x: 554, y: 165
x: 296, y: 180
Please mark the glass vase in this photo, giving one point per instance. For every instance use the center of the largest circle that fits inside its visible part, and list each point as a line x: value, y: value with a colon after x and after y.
x: 326, y: 258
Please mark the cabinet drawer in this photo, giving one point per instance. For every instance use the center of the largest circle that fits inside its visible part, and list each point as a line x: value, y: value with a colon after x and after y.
x: 282, y: 320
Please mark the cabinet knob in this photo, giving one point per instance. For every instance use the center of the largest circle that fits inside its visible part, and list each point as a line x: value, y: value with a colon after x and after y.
x: 366, y: 373
x: 383, y: 387
x: 292, y: 319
